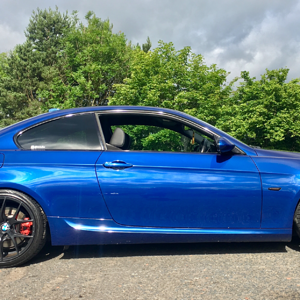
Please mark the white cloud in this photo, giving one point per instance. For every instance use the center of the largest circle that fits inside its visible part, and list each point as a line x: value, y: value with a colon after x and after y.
x: 272, y: 43
x: 237, y: 35
x: 9, y: 38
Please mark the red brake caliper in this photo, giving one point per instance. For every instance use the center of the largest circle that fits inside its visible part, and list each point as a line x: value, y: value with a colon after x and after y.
x: 26, y: 228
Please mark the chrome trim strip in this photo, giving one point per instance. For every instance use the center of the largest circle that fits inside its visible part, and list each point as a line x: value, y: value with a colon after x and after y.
x: 114, y: 228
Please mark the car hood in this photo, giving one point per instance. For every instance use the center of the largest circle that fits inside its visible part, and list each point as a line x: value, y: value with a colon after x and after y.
x: 274, y: 153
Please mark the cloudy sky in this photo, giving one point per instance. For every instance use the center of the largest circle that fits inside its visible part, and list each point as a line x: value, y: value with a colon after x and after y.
x: 236, y: 35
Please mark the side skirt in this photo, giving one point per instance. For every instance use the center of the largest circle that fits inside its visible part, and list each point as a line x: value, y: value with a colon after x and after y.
x: 75, y: 231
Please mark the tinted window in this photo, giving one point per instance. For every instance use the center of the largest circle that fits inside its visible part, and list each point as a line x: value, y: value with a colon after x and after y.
x: 152, y: 133
x: 75, y: 132
x: 153, y: 138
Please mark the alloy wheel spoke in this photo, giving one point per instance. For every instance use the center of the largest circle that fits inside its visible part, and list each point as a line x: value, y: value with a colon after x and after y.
x: 2, y: 211
x: 12, y: 237
x: 1, y: 247
x: 16, y: 222
x: 19, y: 235
x: 14, y: 217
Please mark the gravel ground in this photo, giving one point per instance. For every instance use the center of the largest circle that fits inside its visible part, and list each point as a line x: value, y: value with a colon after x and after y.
x: 170, y: 271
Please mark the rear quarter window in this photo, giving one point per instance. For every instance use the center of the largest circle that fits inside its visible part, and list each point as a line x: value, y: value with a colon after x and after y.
x: 75, y: 132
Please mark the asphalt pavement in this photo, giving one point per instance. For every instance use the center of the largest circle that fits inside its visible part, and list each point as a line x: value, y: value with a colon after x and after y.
x: 165, y: 271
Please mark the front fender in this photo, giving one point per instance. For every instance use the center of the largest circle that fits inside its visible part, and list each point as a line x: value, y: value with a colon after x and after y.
x: 278, y: 207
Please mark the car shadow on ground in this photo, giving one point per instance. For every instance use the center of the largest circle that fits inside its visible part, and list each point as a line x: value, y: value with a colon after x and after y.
x: 77, y: 252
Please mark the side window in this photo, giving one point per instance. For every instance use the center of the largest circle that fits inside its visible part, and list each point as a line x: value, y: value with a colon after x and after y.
x: 153, y: 138
x: 74, y: 132
x: 151, y: 133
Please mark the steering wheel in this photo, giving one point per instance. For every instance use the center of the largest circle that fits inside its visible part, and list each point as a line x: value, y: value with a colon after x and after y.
x: 204, y: 148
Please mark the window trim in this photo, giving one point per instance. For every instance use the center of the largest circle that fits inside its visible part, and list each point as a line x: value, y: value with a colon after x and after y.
x: 100, y: 133
x: 160, y: 114
x: 100, y: 139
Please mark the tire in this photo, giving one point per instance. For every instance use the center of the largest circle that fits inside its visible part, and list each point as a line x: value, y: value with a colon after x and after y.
x: 22, y: 228
x: 297, y: 220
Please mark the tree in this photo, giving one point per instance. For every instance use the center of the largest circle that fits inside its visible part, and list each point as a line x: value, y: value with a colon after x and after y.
x: 174, y: 79
x: 264, y: 112
x: 32, y: 65
x: 147, y: 46
x: 45, y: 31
x: 96, y: 59
x: 3, y: 57
x: 17, y: 87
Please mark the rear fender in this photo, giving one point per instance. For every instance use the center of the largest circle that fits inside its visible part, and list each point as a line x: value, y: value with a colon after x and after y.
x: 27, y: 191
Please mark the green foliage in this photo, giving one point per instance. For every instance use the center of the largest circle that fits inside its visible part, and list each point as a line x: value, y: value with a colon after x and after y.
x: 32, y: 65
x: 3, y: 57
x: 45, y: 31
x: 174, y: 79
x: 264, y: 112
x: 153, y: 138
x: 147, y: 46
x: 95, y: 59
x: 18, y: 86
x: 261, y: 112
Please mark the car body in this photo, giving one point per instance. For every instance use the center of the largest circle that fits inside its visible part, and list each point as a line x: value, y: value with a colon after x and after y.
x: 71, y: 169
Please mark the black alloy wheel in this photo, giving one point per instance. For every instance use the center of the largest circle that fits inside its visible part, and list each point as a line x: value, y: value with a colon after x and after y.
x: 22, y: 228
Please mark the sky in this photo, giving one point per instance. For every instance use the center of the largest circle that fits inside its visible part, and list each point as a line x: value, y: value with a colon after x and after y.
x: 237, y: 35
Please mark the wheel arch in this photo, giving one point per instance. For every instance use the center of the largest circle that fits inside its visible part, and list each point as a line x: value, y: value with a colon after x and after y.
x: 25, y: 190
x: 296, y: 221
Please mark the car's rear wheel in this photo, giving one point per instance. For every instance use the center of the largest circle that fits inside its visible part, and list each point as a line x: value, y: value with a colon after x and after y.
x: 296, y: 228
x: 22, y: 228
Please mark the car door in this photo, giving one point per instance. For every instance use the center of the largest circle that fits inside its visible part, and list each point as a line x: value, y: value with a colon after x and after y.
x: 180, y: 190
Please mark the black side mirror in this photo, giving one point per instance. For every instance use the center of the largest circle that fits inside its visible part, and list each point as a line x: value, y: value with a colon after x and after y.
x: 224, y: 145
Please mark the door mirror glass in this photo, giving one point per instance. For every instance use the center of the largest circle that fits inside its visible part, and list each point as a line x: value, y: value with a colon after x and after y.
x: 224, y: 145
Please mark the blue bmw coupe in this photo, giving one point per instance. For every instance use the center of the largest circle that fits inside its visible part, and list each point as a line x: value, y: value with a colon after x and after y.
x: 115, y: 175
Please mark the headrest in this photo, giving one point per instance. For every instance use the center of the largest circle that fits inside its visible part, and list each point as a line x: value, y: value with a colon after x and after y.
x: 119, y: 138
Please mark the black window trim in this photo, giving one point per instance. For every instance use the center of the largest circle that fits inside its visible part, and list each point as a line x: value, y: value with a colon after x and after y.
x: 99, y: 132
x: 158, y: 114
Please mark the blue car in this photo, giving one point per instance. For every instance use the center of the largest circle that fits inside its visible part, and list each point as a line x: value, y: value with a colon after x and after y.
x: 116, y: 175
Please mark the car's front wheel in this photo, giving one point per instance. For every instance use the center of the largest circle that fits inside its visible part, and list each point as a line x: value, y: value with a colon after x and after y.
x: 22, y: 228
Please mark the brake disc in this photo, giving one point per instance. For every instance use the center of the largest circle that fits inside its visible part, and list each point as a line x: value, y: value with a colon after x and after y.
x: 9, y: 212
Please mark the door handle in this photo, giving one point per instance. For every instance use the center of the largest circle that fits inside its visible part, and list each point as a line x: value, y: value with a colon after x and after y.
x: 117, y: 164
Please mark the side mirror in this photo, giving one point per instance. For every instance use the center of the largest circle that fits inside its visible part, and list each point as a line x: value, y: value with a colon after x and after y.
x: 224, y: 145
